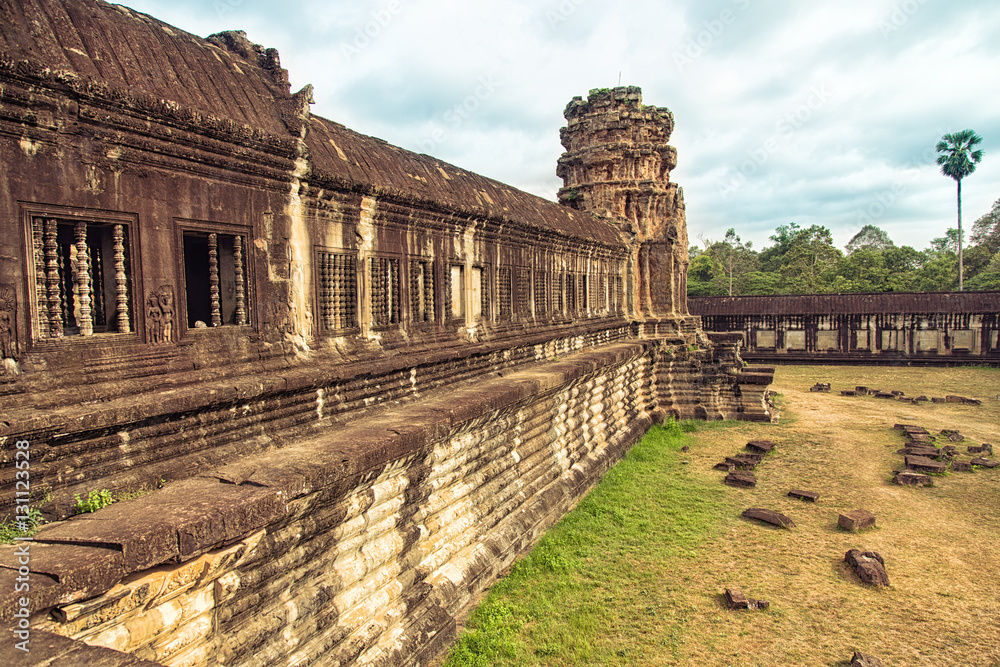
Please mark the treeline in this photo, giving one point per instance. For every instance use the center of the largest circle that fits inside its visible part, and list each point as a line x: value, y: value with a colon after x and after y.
x: 803, y: 260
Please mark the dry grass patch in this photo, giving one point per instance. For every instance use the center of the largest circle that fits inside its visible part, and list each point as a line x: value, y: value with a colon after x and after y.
x: 645, y: 587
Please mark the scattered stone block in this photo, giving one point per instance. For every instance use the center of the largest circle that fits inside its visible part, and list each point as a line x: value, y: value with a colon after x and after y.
x: 768, y: 516
x: 869, y: 567
x: 685, y: 448
x: 821, y: 386
x: 906, y: 478
x: 848, y: 392
x: 987, y: 448
x: 760, y: 446
x: 919, y: 437
x: 924, y: 464
x: 884, y: 394
x: 735, y: 599
x: 861, y: 391
x: 921, y: 399
x: 961, y: 466
x: 928, y: 452
x: 963, y: 400
x: 725, y: 466
x: 895, y: 393
x: 856, y: 520
x: 743, y: 462
x: 984, y: 462
x: 811, y: 496
x: 744, y: 480
x: 860, y: 659
x: 972, y: 449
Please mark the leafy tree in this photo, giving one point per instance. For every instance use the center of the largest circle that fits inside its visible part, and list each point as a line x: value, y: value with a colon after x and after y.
x: 986, y: 230
x: 810, y: 253
x: 734, y: 257
x: 945, y: 244
x: 989, y: 277
x: 869, y: 238
x: 958, y: 158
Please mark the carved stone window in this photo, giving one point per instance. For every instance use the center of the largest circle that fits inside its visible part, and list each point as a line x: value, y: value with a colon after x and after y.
x: 215, y: 279
x: 583, y: 292
x: 421, y: 290
x: 523, y: 291
x: 558, y: 294
x: 336, y: 275
x: 602, y: 292
x: 481, y: 275
x: 541, y: 293
x: 571, y: 293
x: 384, y: 291
x: 82, y: 277
x: 504, y: 301
x: 619, y: 294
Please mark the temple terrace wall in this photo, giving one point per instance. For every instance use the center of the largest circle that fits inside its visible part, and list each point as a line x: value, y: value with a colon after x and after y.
x: 893, y: 328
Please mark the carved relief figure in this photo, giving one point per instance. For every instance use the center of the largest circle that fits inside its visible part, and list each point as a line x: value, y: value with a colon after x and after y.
x: 154, y: 327
x: 8, y: 330
x: 166, y: 301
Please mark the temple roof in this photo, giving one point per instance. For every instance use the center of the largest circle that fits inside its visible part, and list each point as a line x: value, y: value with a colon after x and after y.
x: 229, y: 77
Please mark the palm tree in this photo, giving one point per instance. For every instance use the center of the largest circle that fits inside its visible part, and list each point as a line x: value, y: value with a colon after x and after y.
x: 958, y: 159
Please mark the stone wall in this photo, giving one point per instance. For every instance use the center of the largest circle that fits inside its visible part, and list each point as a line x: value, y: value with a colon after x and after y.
x: 360, y: 544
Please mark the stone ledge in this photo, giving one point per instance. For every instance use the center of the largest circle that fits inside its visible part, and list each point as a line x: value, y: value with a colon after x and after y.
x: 191, y: 517
x: 48, y: 648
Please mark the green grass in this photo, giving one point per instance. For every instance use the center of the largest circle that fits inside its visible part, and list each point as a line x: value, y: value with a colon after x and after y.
x: 25, y: 527
x: 602, y: 567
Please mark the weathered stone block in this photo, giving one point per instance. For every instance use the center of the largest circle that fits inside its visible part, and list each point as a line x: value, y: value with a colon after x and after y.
x: 724, y: 465
x: 984, y: 462
x: 760, y: 446
x: 811, y: 496
x: 860, y: 659
x: 735, y: 599
x: 768, y: 516
x: 856, y: 520
x: 961, y: 466
x: 905, y: 478
x: 741, y: 479
x: 924, y: 464
x: 868, y: 566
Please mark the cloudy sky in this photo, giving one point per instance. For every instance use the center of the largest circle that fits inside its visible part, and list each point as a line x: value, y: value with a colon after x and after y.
x: 816, y: 113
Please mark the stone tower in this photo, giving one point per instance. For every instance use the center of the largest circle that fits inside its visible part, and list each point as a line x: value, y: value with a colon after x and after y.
x: 617, y: 165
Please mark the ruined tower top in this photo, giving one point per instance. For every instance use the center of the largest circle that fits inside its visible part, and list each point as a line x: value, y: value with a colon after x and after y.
x: 618, y: 163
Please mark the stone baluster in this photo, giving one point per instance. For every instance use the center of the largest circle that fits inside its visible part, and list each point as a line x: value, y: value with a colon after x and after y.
x: 52, y: 279
x: 241, y: 309
x: 82, y: 281
x: 41, y: 290
x: 213, y: 278
x: 121, y: 279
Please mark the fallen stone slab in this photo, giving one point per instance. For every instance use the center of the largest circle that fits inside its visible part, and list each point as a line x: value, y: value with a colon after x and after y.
x: 987, y: 448
x: 761, y: 446
x: 860, y: 659
x: 868, y: 566
x: 768, y: 516
x: 848, y: 392
x: 724, y: 465
x: 927, y: 452
x: 896, y: 393
x: 743, y: 462
x: 744, y: 480
x: 884, y: 394
x: 963, y: 400
x: 906, y: 478
x: 973, y: 449
x: 862, y: 391
x: 919, y: 438
x: 856, y: 520
x: 961, y: 466
x: 811, y: 496
x: 924, y: 464
x: 984, y: 462
x: 921, y: 399
x: 820, y: 386
x: 735, y: 599
x: 912, y: 428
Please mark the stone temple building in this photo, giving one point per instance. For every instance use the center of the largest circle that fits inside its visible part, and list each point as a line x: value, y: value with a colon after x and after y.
x: 343, y: 384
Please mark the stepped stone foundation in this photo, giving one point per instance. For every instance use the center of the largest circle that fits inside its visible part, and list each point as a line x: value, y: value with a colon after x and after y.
x: 342, y: 385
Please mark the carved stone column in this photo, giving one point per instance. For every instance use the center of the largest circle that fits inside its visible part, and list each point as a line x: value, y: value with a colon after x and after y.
x: 213, y: 278
x: 121, y: 280
x: 52, y: 279
x: 241, y: 310
x: 82, y: 281
x: 41, y: 290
